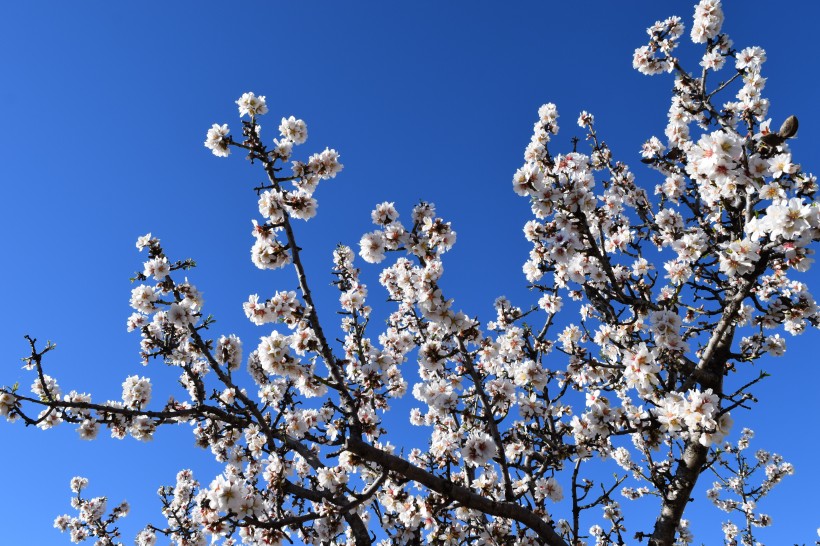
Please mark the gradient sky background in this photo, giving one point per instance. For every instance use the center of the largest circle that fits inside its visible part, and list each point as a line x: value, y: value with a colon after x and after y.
x: 105, y: 107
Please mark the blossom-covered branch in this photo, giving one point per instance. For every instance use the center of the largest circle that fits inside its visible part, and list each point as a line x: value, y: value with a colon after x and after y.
x: 677, y: 289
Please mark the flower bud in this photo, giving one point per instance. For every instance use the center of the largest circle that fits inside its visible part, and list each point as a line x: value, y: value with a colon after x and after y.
x: 789, y: 127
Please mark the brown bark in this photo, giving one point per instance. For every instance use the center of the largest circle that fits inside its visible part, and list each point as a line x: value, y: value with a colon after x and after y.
x: 691, y: 463
x: 457, y: 493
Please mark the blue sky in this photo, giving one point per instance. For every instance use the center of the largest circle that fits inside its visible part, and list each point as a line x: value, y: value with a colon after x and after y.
x: 105, y: 107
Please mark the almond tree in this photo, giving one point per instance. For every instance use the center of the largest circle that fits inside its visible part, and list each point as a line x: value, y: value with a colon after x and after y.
x: 679, y: 290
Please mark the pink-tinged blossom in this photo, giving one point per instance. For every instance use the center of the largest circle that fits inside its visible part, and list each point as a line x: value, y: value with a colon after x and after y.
x: 136, y: 391
x: 479, y: 449
x: 271, y: 206
x: 7, y: 402
x: 372, y: 247
x: 180, y: 315
x: 46, y: 388
x: 146, y: 537
x: 269, y: 254
x: 229, y: 351
x: 295, y: 130
x: 88, y: 429
x: 325, y: 164
x: 750, y: 58
x: 250, y: 105
x: 548, y: 488
x: 301, y: 205
x: 739, y: 257
x: 641, y: 370
x: 273, y: 352
x: 217, y: 140
x: 384, y: 214
x: 143, y: 298
x: 145, y: 241
x: 136, y: 321
x: 708, y: 20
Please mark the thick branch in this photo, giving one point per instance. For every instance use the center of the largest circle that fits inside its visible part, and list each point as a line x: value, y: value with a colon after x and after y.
x: 457, y: 493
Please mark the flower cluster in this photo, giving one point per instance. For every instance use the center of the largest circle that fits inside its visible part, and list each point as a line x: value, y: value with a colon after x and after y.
x: 91, y: 520
x: 430, y: 236
x: 734, y: 492
x: 663, y: 39
x: 696, y: 415
x: 708, y: 20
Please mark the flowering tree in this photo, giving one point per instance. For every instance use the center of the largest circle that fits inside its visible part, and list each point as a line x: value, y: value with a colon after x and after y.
x: 678, y: 293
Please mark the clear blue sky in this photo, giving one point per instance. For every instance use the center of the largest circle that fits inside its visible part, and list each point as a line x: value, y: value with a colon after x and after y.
x: 105, y: 107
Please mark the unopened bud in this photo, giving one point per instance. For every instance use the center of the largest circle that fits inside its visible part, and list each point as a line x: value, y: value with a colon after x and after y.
x: 789, y: 127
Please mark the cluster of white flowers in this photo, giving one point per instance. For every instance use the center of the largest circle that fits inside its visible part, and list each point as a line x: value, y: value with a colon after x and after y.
x: 46, y: 388
x: 165, y: 327
x: 666, y: 327
x: 332, y: 479
x: 708, y: 20
x: 7, y: 404
x: 429, y: 238
x: 136, y: 392
x: 655, y: 58
x: 695, y: 415
x: 90, y: 521
x: 294, y: 130
x: 267, y: 252
x: 298, y: 204
x: 230, y: 493
x: 217, y: 140
x: 372, y: 247
x: 275, y: 358
x: 229, y: 351
x: 641, y: 370
x: 791, y: 219
x: 546, y: 125
x: 739, y: 257
x: 548, y: 488
x: 598, y: 421
x: 282, y: 307
x: 479, y: 449
x: 250, y: 105
x: 323, y: 165
x: 438, y: 394
x: 158, y: 268
x: 143, y: 298
x: 714, y: 163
